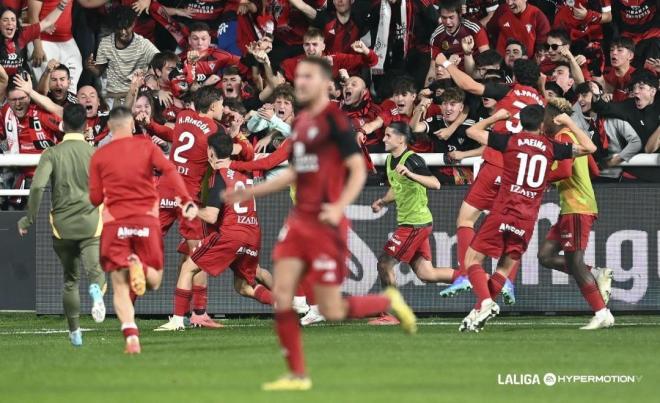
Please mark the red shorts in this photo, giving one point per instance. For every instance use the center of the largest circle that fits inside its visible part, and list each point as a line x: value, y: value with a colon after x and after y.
x: 483, y: 191
x: 323, y: 249
x: 572, y: 231
x: 503, y: 235
x: 190, y: 230
x: 230, y: 249
x: 408, y: 243
x: 134, y: 235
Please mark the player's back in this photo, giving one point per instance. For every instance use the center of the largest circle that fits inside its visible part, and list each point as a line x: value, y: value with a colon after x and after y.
x: 526, y: 162
x: 317, y: 159
x: 124, y: 169
x: 518, y: 97
x: 189, y: 148
x: 237, y: 216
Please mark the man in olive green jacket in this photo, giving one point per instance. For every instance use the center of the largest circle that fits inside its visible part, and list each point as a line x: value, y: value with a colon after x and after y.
x: 75, y: 222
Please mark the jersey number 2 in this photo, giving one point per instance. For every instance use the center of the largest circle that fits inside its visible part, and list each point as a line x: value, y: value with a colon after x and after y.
x: 535, y: 175
x: 187, y: 141
x: 237, y: 206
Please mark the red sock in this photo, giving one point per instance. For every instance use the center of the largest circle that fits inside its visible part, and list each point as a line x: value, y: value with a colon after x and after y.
x: 464, y: 237
x: 133, y: 296
x: 479, y: 280
x: 129, y: 329
x: 199, y: 299
x: 182, y: 301
x: 287, y: 327
x: 495, y: 284
x: 263, y: 295
x: 592, y: 295
x: 514, y: 272
x: 367, y: 305
x: 456, y: 274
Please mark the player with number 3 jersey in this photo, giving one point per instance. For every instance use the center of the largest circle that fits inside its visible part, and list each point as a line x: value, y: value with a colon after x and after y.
x: 484, y: 190
x: 506, y: 231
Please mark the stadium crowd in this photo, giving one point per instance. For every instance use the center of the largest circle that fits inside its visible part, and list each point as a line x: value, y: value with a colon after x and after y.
x: 389, y: 61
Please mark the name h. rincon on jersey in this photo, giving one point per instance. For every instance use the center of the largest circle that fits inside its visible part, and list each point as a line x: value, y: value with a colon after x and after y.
x: 195, y: 122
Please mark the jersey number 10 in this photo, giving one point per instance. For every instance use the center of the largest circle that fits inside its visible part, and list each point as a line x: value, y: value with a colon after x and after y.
x: 535, y: 175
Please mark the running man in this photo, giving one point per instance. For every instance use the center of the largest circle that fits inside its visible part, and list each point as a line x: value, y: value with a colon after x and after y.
x: 75, y: 221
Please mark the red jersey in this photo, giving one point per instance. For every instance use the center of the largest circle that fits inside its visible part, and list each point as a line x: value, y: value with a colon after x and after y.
x: 363, y: 113
x: 339, y: 37
x: 530, y: 27
x: 321, y: 143
x: 126, y: 185
x: 450, y: 44
x: 14, y: 59
x: 99, y: 126
x: 205, y: 10
x: 32, y: 134
x: 529, y: 158
x: 390, y: 113
x: 235, y: 216
x: 589, y: 28
x: 352, y: 62
x: 189, y: 151
x: 63, y: 25
x: 274, y: 159
x: 515, y: 98
x: 290, y: 23
x: 619, y: 84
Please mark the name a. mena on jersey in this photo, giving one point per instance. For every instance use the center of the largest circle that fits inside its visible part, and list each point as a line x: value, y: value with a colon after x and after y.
x: 129, y: 232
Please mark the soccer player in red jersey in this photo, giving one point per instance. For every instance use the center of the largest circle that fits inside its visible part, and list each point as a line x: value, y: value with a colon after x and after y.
x: 483, y: 191
x: 508, y: 228
x: 131, y: 241
x: 235, y: 244
x: 519, y: 20
x: 329, y: 173
x: 189, y: 153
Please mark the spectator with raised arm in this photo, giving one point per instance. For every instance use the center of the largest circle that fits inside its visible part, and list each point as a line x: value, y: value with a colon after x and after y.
x: 55, y: 84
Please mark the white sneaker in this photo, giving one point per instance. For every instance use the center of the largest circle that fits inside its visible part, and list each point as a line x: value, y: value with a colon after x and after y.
x: 603, y: 277
x: 466, y: 324
x: 601, y: 320
x: 489, y: 309
x: 313, y: 316
x: 300, y: 305
x: 174, y: 324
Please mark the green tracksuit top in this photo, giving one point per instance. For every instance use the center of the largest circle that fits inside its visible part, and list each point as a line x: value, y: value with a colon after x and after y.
x: 66, y: 166
x: 411, y: 199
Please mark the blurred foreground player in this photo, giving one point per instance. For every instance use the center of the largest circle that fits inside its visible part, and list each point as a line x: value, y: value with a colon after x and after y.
x: 235, y: 244
x: 577, y: 213
x: 131, y: 242
x: 506, y: 231
x: 408, y: 178
x: 329, y: 172
x: 76, y: 223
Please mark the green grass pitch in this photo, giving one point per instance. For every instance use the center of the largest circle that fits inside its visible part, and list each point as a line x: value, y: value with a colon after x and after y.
x: 349, y: 362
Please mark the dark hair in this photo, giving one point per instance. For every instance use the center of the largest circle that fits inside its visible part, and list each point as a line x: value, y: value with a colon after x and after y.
x: 231, y: 71
x: 582, y: 88
x: 554, y: 87
x: 403, y: 85
x: 562, y: 63
x: 452, y: 5
x: 124, y: 17
x: 531, y: 117
x: 62, y: 67
x: 205, y: 97
x: 221, y: 143
x: 119, y: 113
x: 561, y: 34
x: 160, y: 59
x: 527, y: 72
x: 321, y: 62
x: 74, y: 118
x: 453, y: 95
x: 17, y: 34
x: 285, y: 91
x: 402, y: 129
x: 199, y: 26
x: 313, y: 33
x: 643, y: 76
x: 623, y: 42
x: 516, y: 42
x: 488, y: 58
x: 235, y: 105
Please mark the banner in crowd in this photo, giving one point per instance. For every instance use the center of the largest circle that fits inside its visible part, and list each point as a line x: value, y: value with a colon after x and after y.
x: 626, y: 238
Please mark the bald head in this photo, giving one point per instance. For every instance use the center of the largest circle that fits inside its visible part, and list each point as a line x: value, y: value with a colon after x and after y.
x: 354, y: 90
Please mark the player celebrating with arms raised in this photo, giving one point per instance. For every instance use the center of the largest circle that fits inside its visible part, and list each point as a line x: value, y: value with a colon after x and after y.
x: 409, y: 177
x: 506, y: 231
x: 329, y: 172
x: 131, y: 241
x: 577, y: 213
